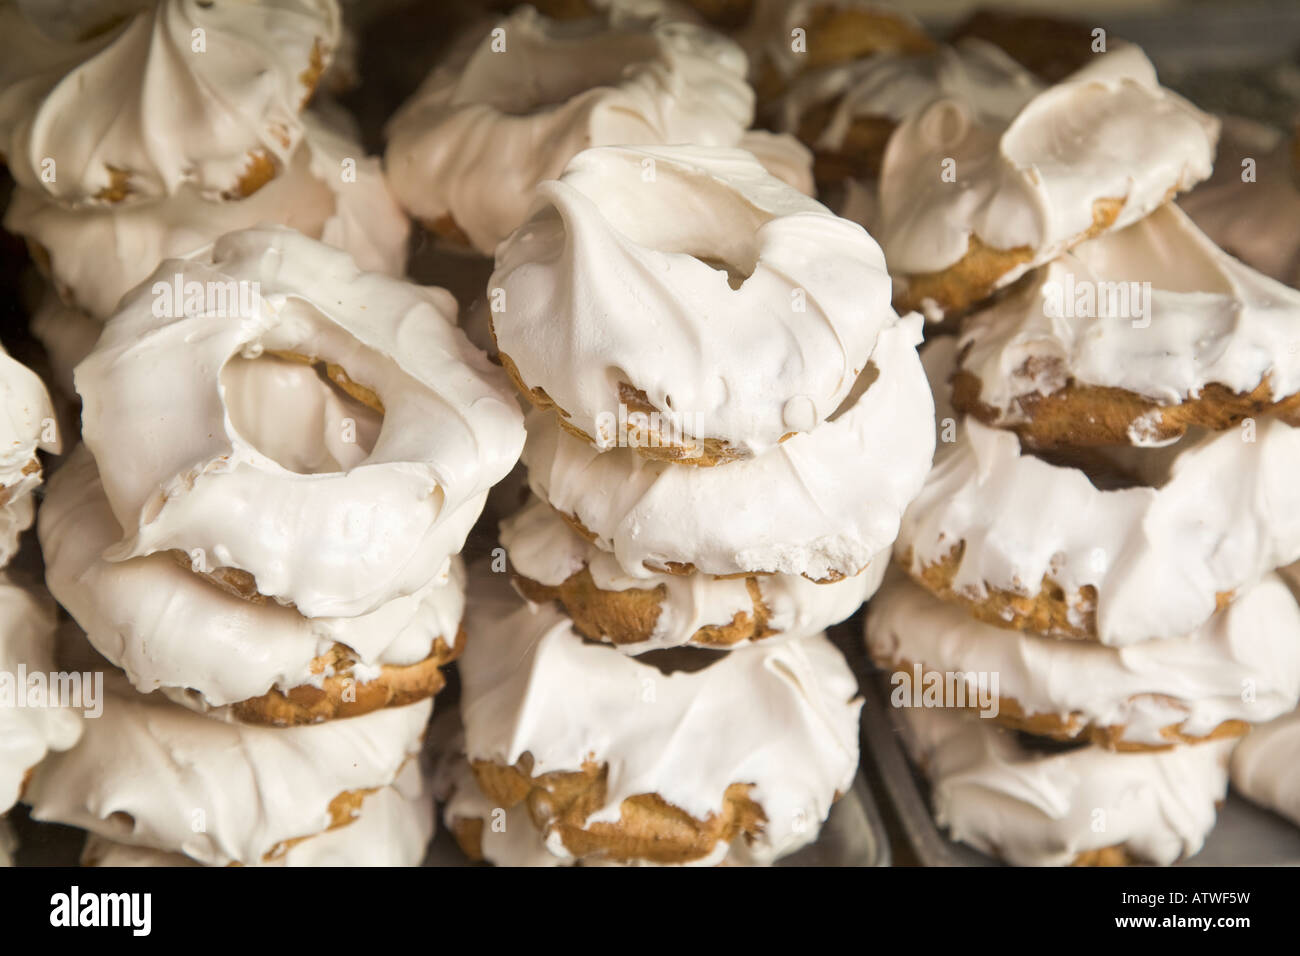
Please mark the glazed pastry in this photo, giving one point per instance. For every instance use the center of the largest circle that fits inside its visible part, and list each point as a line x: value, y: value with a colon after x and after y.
x: 94, y: 256
x: 1255, y: 220
x: 148, y: 106
x: 1141, y: 543
x: 606, y: 750
x: 331, y: 525
x: 29, y: 730
x: 27, y: 424
x: 1080, y: 355
x: 822, y: 504
x: 1240, y: 668
x: 393, y: 827
x: 1266, y: 766
x: 554, y: 563
x: 68, y: 336
x: 829, y: 32
x: 970, y: 203
x: 1084, y: 805
x: 167, y: 627
x: 466, y: 151
x: 846, y: 112
x: 736, y: 329
x: 151, y: 773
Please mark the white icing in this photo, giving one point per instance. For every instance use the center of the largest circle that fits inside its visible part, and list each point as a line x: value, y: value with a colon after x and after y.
x: 1266, y: 766
x: 1255, y: 220
x: 180, y: 473
x: 797, y: 744
x: 28, y: 733
x: 1108, y: 131
x: 27, y: 423
x: 168, y: 627
x: 1041, y: 809
x: 141, y: 99
x: 393, y: 828
x: 97, y: 255
x: 147, y: 767
x: 822, y: 503
x: 543, y: 547
x: 601, y: 287
x: 68, y: 335
x: 488, y: 125
x: 782, y: 156
x: 1196, y: 681
x: 1210, y: 320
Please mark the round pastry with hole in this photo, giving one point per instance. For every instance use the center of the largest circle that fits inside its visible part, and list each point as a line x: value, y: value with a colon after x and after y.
x: 152, y: 774
x: 701, y: 339
x: 1035, y: 803
x: 94, y: 256
x: 392, y: 827
x: 33, y: 726
x: 552, y: 562
x: 1241, y: 667
x: 822, y: 504
x: 969, y: 203
x: 1133, y: 338
x: 515, y: 100
x: 1266, y: 766
x: 643, y: 764
x: 336, y: 525
x: 182, y: 92
x: 169, y: 628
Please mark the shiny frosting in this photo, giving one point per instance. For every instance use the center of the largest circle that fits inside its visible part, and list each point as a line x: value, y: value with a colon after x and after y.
x: 1212, y: 320
x: 393, y: 828
x: 601, y: 288
x: 138, y: 99
x: 1266, y: 766
x: 146, y: 768
x: 895, y: 86
x: 486, y: 127
x: 1255, y: 221
x: 168, y: 627
x: 339, y: 536
x: 26, y: 424
x: 28, y: 733
x: 797, y: 744
x: 1045, y: 809
x: 68, y: 335
x: 1109, y: 131
x: 821, y: 504
x: 1222, y: 511
x: 97, y: 255
x: 783, y: 156
x: 1191, y: 683
x: 543, y: 548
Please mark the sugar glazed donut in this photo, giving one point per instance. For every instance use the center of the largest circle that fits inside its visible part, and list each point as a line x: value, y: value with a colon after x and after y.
x: 337, y: 525
x: 1133, y: 338
x: 734, y: 330
x: 1150, y: 696
x: 970, y: 202
x: 182, y: 92
x: 604, y: 749
x: 1032, y: 805
x: 516, y: 100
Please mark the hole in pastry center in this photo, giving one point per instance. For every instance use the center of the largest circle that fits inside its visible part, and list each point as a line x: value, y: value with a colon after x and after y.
x: 736, y: 275
x: 296, y: 416
x: 681, y: 660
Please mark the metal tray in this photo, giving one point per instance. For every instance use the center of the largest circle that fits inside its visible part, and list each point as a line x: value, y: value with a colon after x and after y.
x: 1245, y: 835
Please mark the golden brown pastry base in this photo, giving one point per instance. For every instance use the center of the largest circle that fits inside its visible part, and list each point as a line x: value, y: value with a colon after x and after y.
x: 341, y: 696
x: 1074, y: 726
x: 629, y: 617
x: 32, y: 467
x: 446, y: 227
x: 343, y: 809
x: 836, y: 34
x: 975, y: 276
x: 1048, y: 47
x: 1101, y: 415
x: 1048, y: 612
x: 649, y: 828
